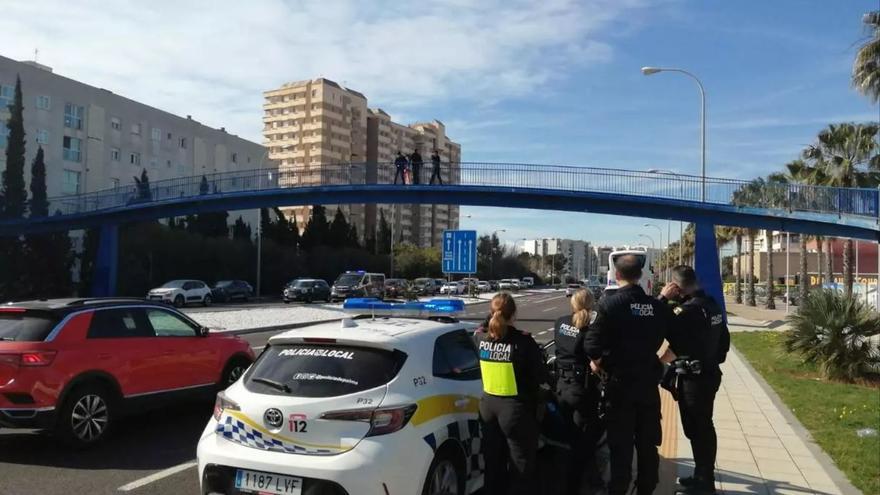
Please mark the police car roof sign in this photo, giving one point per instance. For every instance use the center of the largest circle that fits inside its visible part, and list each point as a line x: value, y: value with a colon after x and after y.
x: 377, y: 307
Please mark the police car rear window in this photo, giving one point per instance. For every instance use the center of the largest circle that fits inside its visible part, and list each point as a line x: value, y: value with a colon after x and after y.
x: 308, y: 370
x: 25, y: 326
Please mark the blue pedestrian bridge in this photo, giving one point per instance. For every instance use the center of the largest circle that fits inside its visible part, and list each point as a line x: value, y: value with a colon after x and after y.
x: 815, y: 210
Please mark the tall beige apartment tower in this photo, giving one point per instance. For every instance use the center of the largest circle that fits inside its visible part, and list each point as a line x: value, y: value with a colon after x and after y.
x: 316, y: 126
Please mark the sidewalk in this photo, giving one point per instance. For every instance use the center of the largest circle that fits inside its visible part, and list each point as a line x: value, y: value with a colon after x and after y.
x: 756, y: 318
x: 762, y: 449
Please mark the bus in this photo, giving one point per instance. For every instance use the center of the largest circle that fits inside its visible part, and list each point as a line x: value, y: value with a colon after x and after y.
x: 647, y: 280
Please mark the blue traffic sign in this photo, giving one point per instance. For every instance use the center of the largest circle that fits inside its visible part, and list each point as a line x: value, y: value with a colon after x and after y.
x: 459, y: 251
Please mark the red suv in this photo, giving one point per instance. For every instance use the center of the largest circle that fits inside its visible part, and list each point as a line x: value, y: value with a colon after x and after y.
x: 75, y: 366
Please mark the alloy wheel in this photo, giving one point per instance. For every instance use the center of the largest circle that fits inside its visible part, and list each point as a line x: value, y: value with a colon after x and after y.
x: 444, y: 480
x: 89, y: 417
x: 235, y: 373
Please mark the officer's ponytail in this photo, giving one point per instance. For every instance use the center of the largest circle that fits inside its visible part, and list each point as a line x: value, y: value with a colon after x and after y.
x: 581, y: 304
x: 503, y: 311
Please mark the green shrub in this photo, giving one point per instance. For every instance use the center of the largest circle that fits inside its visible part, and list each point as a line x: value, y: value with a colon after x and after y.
x: 835, y: 333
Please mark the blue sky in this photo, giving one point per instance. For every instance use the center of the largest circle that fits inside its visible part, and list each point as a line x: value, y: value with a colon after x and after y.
x: 541, y: 81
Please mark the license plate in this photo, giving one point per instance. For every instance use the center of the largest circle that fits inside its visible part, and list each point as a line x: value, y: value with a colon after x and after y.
x: 257, y: 482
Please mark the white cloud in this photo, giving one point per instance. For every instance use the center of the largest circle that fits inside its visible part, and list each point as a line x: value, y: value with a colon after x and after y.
x: 214, y: 59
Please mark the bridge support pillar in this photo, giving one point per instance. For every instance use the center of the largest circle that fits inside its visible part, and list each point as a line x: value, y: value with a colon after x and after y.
x: 706, y: 262
x: 106, y: 262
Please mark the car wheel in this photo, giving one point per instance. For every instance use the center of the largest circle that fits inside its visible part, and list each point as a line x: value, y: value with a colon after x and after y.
x: 286, y: 301
x: 445, y: 477
x: 233, y: 371
x: 206, y: 301
x: 328, y: 300
x: 86, y: 416
x: 179, y: 301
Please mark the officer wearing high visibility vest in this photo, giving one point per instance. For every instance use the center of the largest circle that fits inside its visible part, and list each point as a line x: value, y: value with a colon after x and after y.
x: 513, y: 372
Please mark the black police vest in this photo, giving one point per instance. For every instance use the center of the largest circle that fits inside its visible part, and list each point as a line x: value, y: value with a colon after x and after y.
x: 706, y: 339
x: 569, y: 343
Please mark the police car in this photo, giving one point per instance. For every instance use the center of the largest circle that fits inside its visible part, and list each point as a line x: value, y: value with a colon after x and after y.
x: 385, y: 403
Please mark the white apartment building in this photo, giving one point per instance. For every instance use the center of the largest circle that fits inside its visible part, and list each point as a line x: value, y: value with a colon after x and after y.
x: 577, y: 254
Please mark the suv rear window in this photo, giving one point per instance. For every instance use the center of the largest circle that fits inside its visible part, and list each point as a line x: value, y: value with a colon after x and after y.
x: 26, y: 326
x: 311, y: 370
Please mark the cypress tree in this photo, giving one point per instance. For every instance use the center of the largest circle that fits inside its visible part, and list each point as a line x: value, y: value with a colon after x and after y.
x: 14, y: 196
x: 339, y: 230
x: 241, y: 231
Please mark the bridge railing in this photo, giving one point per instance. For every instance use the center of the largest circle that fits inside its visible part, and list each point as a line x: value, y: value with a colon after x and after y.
x: 681, y: 187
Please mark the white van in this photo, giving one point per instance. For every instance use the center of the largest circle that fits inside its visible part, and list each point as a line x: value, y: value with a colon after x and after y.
x: 647, y: 280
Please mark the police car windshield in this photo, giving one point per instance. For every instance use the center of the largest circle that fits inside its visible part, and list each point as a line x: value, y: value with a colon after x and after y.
x: 309, y: 370
x: 349, y: 279
x: 303, y: 283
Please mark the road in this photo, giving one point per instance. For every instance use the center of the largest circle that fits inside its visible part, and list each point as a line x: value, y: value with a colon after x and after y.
x: 154, y: 453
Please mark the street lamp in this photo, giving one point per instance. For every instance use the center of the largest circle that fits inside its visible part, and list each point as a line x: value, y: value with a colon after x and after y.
x: 661, y: 247
x: 492, y: 254
x: 680, y: 223
x: 653, y: 70
x: 646, y: 236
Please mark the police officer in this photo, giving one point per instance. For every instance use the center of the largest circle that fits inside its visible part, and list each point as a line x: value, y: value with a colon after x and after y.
x: 623, y: 342
x: 415, y: 162
x: 698, y: 343
x: 513, y: 372
x: 400, y: 164
x: 577, y: 392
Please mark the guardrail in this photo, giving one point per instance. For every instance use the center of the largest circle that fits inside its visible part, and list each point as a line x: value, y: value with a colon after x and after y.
x: 757, y: 194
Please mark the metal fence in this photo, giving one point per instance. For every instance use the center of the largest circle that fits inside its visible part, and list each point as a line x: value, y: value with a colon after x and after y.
x: 666, y: 185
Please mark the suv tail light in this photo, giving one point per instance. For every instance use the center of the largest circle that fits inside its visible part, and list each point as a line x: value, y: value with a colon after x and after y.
x: 223, y: 403
x: 382, y: 421
x: 34, y: 358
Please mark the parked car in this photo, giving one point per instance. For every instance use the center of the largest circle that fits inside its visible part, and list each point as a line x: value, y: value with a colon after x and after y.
x: 528, y: 282
x: 358, y: 284
x: 227, y: 290
x: 453, y: 288
x: 493, y: 285
x: 74, y: 367
x: 396, y: 287
x: 426, y: 286
x: 182, y: 292
x: 570, y: 289
x: 306, y: 289
x: 508, y: 284
x: 483, y: 286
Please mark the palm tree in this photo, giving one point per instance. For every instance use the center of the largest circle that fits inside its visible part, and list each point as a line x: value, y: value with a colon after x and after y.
x: 803, y: 283
x: 866, y: 68
x: 768, y: 241
x: 847, y: 155
x: 750, y: 297
x: 725, y: 235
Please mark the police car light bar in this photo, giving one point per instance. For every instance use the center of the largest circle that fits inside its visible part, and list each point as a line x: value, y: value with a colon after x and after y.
x: 377, y: 307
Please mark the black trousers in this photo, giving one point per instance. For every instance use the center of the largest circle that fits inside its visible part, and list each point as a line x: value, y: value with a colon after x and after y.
x: 417, y: 173
x: 435, y: 172
x: 632, y: 418
x: 510, y: 445
x: 696, y: 400
x: 400, y: 173
x: 579, y: 407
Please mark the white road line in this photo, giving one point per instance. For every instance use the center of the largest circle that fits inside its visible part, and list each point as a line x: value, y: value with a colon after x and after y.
x: 134, y: 485
x: 554, y: 308
x: 545, y: 331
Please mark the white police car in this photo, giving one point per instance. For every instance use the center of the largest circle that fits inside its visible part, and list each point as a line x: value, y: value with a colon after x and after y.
x: 383, y: 403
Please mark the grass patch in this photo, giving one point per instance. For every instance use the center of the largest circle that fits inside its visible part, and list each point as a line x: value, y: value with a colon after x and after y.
x: 831, y: 411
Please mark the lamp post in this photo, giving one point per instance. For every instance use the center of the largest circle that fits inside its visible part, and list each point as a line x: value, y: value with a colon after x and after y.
x: 653, y: 70
x: 666, y: 278
x: 492, y: 254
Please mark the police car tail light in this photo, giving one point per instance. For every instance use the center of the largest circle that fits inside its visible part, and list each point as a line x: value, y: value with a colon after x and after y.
x: 382, y: 421
x: 377, y: 307
x: 223, y: 403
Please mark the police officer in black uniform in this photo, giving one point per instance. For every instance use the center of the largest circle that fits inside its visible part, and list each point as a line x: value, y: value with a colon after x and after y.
x: 513, y: 373
x: 698, y: 344
x: 577, y: 392
x: 623, y: 342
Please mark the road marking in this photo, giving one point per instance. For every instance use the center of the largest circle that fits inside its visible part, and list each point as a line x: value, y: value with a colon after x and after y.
x: 134, y: 485
x: 545, y: 331
x: 554, y: 308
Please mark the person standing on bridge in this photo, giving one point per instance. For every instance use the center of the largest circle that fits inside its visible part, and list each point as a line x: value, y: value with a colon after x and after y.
x: 435, y: 167
x: 698, y: 344
x: 415, y: 161
x: 577, y: 392
x: 622, y: 344
x: 513, y: 374
x: 400, y: 164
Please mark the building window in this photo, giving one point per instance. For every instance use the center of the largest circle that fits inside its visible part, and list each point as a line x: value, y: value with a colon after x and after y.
x: 4, y: 136
x: 134, y: 158
x: 156, y: 134
x: 44, y: 102
x: 235, y: 158
x: 7, y: 95
x: 136, y: 129
x: 73, y: 115
x: 72, y: 147
x: 314, y: 93
x: 169, y: 136
x: 114, y: 154
x: 168, y: 162
x: 42, y: 136
x: 183, y: 143
x: 115, y: 123
x: 70, y: 182
x: 114, y: 183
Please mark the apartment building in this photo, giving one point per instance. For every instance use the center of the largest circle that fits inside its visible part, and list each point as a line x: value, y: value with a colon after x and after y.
x: 316, y: 128
x: 577, y: 254
x: 94, y: 139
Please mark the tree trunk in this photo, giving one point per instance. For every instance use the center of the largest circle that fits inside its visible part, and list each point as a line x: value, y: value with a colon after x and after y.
x: 750, y: 299
x: 768, y: 240
x: 804, y: 283
x: 820, y: 262
x: 848, y: 268
x: 829, y: 261
x: 738, y: 290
